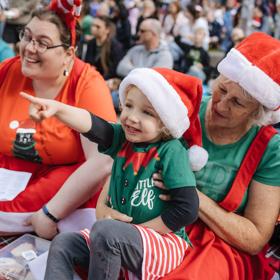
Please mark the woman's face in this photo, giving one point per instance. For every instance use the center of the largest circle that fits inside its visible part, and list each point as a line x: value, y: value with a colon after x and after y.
x: 230, y: 106
x: 49, y: 64
x: 98, y: 28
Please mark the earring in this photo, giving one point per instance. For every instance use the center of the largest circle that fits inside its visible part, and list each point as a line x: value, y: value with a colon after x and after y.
x: 65, y: 73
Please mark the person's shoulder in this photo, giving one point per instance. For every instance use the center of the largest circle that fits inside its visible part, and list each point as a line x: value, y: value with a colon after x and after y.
x: 173, y: 145
x: 275, y: 142
x: 139, y: 47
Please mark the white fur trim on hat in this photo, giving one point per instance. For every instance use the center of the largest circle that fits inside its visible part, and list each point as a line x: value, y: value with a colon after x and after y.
x: 198, y: 157
x: 236, y: 67
x: 163, y: 97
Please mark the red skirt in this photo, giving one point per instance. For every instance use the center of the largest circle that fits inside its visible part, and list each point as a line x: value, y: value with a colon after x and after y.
x: 213, y: 259
x: 45, y: 182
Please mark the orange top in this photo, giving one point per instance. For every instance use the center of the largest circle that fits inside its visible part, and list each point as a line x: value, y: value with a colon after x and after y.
x: 49, y: 142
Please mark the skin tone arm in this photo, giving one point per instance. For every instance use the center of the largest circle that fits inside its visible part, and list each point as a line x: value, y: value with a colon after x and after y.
x: 105, y: 212
x: 249, y: 232
x: 74, y: 191
x: 41, y: 108
x: 59, y: 206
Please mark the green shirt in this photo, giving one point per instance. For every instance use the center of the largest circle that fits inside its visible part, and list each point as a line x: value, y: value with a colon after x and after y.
x: 216, y: 178
x: 132, y: 190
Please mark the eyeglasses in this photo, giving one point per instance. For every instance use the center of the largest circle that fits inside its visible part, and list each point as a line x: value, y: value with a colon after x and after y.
x: 41, y: 47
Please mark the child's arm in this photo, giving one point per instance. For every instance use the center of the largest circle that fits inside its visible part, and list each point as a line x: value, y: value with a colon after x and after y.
x: 41, y: 108
x: 182, y: 210
x: 105, y: 212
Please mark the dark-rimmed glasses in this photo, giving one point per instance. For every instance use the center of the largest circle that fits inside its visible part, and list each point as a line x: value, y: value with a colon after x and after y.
x: 41, y: 47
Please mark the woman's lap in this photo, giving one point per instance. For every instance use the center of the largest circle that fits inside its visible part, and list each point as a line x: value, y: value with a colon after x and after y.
x: 213, y: 259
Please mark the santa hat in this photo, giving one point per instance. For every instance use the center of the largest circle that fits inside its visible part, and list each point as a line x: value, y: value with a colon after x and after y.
x: 254, y: 64
x: 69, y: 11
x: 176, y: 98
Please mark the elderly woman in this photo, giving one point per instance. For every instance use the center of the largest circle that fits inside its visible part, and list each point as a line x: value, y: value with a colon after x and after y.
x: 236, y: 223
x: 54, y: 159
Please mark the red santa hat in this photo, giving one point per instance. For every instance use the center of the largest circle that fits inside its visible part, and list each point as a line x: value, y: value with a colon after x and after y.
x: 254, y: 64
x: 69, y: 11
x: 176, y: 98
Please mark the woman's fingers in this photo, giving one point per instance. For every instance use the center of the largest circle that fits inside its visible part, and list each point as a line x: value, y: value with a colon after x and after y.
x: 165, y: 197
x: 157, y: 178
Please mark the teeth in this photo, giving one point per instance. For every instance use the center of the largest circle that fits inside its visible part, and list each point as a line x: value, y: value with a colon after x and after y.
x: 30, y: 60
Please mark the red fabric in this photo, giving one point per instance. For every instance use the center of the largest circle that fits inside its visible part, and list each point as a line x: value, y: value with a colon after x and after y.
x: 69, y: 13
x: 213, y: 259
x: 248, y: 167
x: 46, y: 180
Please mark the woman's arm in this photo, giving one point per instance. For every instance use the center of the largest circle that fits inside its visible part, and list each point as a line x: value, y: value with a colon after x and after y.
x: 77, y: 189
x: 251, y: 231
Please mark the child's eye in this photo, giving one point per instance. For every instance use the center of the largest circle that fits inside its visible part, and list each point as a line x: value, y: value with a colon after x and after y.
x: 127, y: 105
x: 151, y: 114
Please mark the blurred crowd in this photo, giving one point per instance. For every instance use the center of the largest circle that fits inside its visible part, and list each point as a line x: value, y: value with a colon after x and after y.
x: 120, y: 35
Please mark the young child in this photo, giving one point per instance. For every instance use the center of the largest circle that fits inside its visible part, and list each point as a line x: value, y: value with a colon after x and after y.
x: 158, y: 106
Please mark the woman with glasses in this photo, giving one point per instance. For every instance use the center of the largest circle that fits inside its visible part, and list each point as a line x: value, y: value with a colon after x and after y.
x: 44, y: 167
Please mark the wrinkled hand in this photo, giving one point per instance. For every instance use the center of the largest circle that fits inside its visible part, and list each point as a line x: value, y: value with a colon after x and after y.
x: 42, y: 225
x: 157, y: 177
x: 105, y: 212
x: 40, y: 108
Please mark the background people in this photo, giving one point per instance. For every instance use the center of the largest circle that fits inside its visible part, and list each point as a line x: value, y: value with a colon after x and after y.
x: 151, y: 52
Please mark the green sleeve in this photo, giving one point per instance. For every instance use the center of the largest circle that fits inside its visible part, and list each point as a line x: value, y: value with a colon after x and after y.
x: 176, y: 168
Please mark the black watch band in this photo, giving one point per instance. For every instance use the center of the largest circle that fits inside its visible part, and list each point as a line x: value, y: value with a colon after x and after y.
x: 48, y: 214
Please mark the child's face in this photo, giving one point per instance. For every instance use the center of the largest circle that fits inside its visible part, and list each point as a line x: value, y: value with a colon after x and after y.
x: 138, y: 118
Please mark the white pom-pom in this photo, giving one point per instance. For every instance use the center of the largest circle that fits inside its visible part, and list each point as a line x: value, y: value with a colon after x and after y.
x: 275, y: 118
x: 198, y: 157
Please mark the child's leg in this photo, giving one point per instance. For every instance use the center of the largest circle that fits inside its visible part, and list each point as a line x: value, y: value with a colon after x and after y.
x: 114, y: 244
x: 66, y: 250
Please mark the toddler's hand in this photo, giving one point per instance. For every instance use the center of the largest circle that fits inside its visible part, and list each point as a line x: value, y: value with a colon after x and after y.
x: 40, y: 108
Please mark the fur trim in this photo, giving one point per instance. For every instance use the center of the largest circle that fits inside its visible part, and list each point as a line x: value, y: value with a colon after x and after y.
x: 198, y: 157
x: 236, y: 67
x: 164, y: 98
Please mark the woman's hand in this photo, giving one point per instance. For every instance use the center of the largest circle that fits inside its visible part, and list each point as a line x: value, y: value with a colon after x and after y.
x: 157, y: 178
x: 41, y: 108
x: 43, y: 226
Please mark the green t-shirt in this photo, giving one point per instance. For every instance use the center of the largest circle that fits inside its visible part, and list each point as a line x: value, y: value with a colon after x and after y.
x: 216, y: 178
x: 131, y: 188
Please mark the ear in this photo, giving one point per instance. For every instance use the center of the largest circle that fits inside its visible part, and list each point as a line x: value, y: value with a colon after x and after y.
x: 70, y: 55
